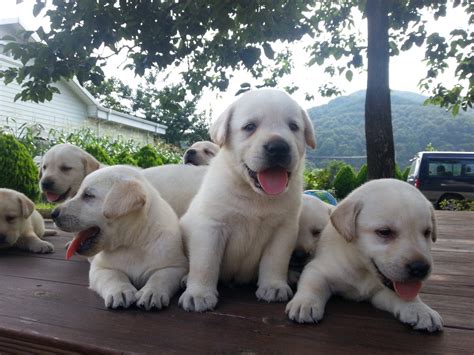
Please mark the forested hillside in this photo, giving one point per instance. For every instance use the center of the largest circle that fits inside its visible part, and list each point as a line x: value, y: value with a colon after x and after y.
x: 339, y: 128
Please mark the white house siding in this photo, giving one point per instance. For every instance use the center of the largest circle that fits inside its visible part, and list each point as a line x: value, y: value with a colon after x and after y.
x: 66, y: 112
x: 103, y: 128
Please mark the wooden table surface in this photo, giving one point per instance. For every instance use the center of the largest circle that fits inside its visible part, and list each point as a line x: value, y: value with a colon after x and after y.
x: 46, y: 307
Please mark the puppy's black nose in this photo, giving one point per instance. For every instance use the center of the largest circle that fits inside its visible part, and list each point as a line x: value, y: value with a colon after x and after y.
x: 47, y: 184
x: 418, y: 269
x: 191, y: 152
x: 3, y: 237
x: 277, y: 147
x: 55, y: 214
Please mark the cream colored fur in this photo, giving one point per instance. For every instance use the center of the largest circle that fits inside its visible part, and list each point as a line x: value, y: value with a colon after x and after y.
x: 352, y: 246
x: 233, y: 230
x: 138, y: 254
x: 20, y: 224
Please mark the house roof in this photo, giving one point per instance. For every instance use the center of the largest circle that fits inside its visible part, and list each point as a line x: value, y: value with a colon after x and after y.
x: 94, y: 108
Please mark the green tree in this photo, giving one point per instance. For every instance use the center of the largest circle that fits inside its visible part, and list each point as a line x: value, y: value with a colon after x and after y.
x: 209, y: 37
x: 19, y: 172
x: 345, y: 181
x: 361, y: 176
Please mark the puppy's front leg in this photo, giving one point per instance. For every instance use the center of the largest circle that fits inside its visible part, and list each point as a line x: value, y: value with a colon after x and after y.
x: 160, y: 288
x: 206, y: 247
x: 273, y: 269
x: 416, y: 312
x: 310, y: 300
x: 32, y: 243
x: 113, y: 286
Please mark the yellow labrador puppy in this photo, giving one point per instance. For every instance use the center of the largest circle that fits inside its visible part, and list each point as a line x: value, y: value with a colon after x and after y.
x: 243, y: 223
x: 313, y: 218
x: 132, y: 234
x: 377, y: 248
x: 62, y: 170
x: 176, y: 183
x: 200, y: 153
x: 20, y: 224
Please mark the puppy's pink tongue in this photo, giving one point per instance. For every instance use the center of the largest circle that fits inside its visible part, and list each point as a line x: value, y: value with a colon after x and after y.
x: 51, y: 197
x: 273, y: 181
x: 79, y: 238
x: 407, y: 290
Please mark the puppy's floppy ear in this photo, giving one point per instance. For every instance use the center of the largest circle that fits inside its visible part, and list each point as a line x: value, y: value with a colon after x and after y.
x: 434, y: 226
x: 90, y: 164
x: 220, y: 129
x: 126, y: 196
x: 344, y: 218
x: 26, y: 205
x: 308, y: 130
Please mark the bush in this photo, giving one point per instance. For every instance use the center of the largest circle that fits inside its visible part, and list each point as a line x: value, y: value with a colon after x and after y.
x: 398, y: 173
x: 361, y: 176
x: 316, y: 179
x: 345, y: 181
x: 19, y: 172
x: 405, y: 173
x: 147, y: 157
x: 125, y: 158
x: 99, y: 153
x: 457, y: 205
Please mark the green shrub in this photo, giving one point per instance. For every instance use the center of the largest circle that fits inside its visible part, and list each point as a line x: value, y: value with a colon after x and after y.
x: 99, y: 153
x: 405, y: 173
x: 18, y: 171
x: 361, y: 176
x: 316, y: 179
x: 125, y: 158
x: 345, y: 181
x: 398, y: 173
x: 457, y: 205
x: 147, y: 157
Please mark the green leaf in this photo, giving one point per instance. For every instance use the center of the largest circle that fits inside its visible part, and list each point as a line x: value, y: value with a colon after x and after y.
x: 349, y: 75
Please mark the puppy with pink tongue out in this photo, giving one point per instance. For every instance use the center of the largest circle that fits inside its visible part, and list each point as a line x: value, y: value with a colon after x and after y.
x: 242, y: 225
x: 376, y: 247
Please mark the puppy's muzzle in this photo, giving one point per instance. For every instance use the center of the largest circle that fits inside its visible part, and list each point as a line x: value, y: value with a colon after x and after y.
x: 277, y: 153
x: 65, y: 222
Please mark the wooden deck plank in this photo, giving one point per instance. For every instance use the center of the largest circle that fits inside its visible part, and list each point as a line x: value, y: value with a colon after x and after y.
x: 46, y: 307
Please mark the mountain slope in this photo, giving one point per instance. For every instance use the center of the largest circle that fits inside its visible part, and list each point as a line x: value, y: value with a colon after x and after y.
x: 340, y: 131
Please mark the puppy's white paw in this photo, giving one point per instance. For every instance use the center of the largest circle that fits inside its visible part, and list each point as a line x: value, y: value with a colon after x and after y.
x: 41, y: 247
x: 421, y: 317
x: 274, y: 292
x: 121, y: 296
x: 151, y: 298
x: 198, y: 299
x: 305, y: 309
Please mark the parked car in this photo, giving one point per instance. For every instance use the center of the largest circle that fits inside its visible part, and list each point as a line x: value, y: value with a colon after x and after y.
x: 443, y: 175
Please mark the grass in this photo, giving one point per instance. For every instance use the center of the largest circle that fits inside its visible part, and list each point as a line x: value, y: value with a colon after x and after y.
x: 44, y: 206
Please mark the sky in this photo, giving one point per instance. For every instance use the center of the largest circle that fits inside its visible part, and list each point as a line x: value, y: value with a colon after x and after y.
x: 406, y: 69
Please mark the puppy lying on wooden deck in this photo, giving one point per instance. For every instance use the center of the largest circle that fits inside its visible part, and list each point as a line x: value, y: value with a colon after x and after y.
x: 21, y: 225
x: 377, y: 248
x: 132, y: 234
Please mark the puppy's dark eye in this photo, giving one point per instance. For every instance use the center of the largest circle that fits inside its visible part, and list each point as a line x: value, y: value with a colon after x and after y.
x: 427, y: 233
x: 293, y: 127
x: 65, y: 168
x: 315, y: 232
x: 10, y: 219
x: 44, y: 167
x: 385, y: 233
x: 87, y: 196
x: 250, y: 127
x: 208, y: 152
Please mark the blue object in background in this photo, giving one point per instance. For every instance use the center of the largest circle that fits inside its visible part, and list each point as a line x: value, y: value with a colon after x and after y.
x: 323, y: 195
